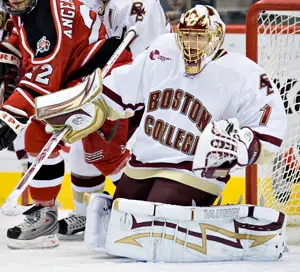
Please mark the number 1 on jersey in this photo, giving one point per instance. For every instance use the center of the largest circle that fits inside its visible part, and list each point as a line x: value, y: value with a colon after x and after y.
x: 266, y: 115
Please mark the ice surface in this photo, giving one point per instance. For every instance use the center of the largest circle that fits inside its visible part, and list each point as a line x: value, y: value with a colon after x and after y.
x: 74, y: 257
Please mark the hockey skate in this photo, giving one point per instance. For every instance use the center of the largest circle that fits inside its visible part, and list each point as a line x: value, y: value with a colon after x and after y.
x: 39, y: 229
x: 72, y: 227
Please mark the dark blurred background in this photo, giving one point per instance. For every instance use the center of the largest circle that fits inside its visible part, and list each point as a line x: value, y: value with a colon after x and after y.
x: 231, y: 11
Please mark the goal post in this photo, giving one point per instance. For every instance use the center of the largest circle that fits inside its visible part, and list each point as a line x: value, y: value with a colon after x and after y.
x: 273, y: 41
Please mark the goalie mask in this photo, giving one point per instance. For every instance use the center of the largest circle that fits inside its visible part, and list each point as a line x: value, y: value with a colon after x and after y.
x: 18, y: 7
x: 200, y: 34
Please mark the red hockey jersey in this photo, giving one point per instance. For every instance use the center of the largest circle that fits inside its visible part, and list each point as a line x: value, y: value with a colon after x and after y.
x: 56, y: 38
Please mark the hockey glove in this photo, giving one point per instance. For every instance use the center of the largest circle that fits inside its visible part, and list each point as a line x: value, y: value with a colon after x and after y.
x: 12, y: 122
x: 222, y: 146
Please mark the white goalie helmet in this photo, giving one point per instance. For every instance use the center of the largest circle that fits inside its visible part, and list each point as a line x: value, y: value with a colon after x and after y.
x: 200, y: 35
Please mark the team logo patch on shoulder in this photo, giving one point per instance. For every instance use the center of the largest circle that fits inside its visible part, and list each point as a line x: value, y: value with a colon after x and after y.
x: 155, y: 54
x: 43, y: 45
x: 138, y: 10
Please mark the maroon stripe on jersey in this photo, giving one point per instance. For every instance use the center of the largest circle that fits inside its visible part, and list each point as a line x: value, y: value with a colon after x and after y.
x: 268, y: 138
x: 84, y: 181
x: 118, y: 99
x: 185, y: 165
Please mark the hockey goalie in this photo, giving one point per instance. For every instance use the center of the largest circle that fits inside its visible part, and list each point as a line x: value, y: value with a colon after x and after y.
x: 203, y: 119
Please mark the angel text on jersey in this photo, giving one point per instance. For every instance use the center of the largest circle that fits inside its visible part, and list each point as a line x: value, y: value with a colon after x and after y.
x: 180, y: 102
x: 67, y: 11
x: 155, y: 54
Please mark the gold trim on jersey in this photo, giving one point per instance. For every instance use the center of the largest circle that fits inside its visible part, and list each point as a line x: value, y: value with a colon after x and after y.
x: 181, y: 177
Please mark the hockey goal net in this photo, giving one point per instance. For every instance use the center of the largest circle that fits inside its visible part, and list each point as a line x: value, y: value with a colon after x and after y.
x: 273, y: 41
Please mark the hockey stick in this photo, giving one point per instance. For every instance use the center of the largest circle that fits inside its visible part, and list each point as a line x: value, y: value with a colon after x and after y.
x: 10, y: 206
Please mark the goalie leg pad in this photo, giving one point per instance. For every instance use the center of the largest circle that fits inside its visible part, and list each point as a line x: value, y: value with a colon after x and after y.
x: 98, y: 215
x: 156, y: 232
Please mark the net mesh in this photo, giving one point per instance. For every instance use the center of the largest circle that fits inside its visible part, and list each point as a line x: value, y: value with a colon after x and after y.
x: 279, y: 54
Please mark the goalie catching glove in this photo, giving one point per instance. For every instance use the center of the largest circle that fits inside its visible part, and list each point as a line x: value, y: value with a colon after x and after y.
x: 223, y: 147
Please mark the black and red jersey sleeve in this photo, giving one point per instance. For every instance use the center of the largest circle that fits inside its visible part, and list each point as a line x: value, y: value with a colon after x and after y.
x: 56, y: 39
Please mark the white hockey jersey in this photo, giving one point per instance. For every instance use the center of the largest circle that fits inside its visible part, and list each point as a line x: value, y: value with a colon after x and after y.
x: 120, y: 15
x: 178, y: 107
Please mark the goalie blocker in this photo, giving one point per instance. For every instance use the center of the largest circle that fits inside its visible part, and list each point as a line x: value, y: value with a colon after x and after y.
x: 149, y: 231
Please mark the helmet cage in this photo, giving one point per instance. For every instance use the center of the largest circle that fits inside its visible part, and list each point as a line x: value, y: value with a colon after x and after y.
x: 2, y: 19
x: 20, y: 7
x: 198, y: 38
